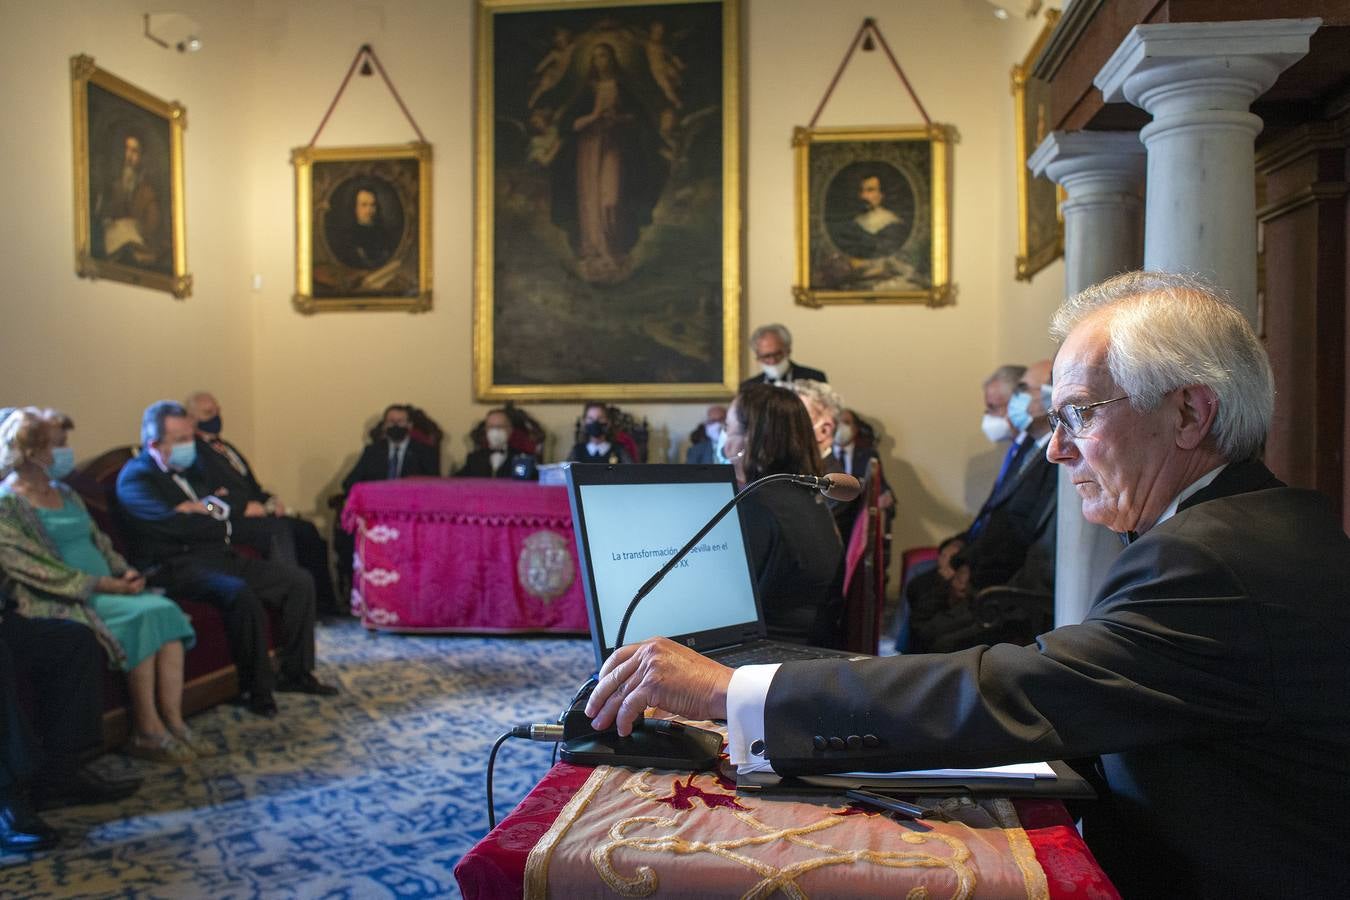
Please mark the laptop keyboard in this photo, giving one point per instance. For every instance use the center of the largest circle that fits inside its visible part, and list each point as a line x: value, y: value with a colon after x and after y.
x: 761, y: 652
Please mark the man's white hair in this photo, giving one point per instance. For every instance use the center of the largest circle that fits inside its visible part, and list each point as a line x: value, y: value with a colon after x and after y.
x: 820, y: 395
x: 772, y: 328
x: 1167, y: 331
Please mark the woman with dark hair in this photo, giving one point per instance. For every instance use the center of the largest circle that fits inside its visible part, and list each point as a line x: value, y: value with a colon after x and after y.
x: 795, y: 548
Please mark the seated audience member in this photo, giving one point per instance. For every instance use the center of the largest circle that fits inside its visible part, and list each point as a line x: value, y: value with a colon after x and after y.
x: 1202, y: 684
x: 265, y: 525
x: 600, y: 445
x: 393, y: 453
x: 703, y: 439
x: 494, y: 454
x: 42, y: 762
x: 61, y: 566
x: 997, y: 390
x: 185, y: 545
x: 772, y: 346
x: 824, y: 406
x: 942, y: 618
x: 795, y: 550
x: 854, y: 448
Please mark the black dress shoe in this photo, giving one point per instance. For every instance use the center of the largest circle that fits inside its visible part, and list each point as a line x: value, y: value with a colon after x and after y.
x: 304, y: 684
x: 21, y: 831
x: 79, y: 787
x: 263, y: 705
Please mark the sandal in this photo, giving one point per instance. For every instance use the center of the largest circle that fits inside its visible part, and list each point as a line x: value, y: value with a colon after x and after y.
x: 166, y: 750
x: 193, y: 741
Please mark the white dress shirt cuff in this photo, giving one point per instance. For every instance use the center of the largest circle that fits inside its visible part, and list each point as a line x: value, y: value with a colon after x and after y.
x: 746, y: 695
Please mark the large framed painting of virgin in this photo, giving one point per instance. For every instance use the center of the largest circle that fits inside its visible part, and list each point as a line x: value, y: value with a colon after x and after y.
x: 128, y: 156
x: 607, y: 235
x: 874, y: 215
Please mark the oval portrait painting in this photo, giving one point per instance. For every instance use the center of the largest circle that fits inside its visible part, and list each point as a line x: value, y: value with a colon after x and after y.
x: 365, y: 221
x: 869, y: 210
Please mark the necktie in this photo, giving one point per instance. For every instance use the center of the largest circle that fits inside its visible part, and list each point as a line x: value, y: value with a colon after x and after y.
x: 393, y: 462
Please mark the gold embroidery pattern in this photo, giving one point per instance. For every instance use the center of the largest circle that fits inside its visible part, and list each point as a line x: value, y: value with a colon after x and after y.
x: 1033, y: 876
x: 536, y: 864
x: 644, y: 881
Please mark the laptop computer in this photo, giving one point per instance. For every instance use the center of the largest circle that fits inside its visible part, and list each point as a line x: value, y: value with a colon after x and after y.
x: 631, y: 519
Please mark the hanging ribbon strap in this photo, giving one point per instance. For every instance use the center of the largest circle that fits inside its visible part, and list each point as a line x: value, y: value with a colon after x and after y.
x: 368, y: 52
x: 868, y: 30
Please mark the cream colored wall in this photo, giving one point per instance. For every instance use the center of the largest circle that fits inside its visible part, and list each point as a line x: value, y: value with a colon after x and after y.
x: 99, y: 349
x: 299, y: 391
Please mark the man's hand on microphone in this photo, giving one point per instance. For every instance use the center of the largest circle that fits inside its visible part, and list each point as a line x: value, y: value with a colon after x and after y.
x: 661, y: 673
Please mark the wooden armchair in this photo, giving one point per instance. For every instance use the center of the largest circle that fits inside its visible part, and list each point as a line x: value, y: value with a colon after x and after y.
x: 865, y: 569
x: 632, y: 433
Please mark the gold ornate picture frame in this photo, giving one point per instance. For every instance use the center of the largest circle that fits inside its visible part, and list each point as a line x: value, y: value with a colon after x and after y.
x: 1040, y: 227
x: 607, y: 251
x: 363, y: 228
x: 128, y: 172
x: 874, y: 215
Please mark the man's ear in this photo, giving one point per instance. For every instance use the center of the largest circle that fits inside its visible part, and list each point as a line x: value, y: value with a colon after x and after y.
x: 1199, y: 407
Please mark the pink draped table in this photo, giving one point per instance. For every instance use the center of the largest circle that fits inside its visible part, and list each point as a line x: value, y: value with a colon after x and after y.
x: 466, y: 554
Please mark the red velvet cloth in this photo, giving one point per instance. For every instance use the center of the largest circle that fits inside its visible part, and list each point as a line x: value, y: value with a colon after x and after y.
x: 464, y: 554
x: 495, y: 868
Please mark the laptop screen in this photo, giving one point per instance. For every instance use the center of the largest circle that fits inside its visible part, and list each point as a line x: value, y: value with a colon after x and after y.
x: 630, y: 520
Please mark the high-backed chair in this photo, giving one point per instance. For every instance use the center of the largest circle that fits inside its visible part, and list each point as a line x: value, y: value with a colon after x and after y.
x: 632, y: 433
x: 865, y: 569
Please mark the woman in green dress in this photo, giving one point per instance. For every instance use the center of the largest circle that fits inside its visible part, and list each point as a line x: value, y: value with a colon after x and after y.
x: 58, y: 564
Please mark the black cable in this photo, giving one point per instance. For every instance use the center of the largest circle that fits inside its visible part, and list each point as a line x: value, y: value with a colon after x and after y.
x: 492, y: 758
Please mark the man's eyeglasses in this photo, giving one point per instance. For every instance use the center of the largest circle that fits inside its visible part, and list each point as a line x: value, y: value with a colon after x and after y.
x: 1072, y: 417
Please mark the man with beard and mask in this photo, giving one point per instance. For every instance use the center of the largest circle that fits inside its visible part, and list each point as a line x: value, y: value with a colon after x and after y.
x: 495, y: 458
x: 394, y: 454
x: 703, y: 439
x: 772, y: 345
x: 130, y: 215
x: 266, y: 525
x: 600, y: 445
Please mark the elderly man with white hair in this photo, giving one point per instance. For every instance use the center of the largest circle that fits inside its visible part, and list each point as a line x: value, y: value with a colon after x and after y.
x: 1206, y: 678
x: 772, y: 346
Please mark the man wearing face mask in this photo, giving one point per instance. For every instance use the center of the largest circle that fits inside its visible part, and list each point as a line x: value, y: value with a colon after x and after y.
x: 181, y: 538
x: 495, y: 459
x: 600, y: 445
x: 394, y: 454
x: 772, y: 346
x: 265, y: 525
x: 703, y: 439
x: 1019, y: 512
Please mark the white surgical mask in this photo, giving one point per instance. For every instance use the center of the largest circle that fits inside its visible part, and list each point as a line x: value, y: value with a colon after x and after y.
x: 712, y: 430
x: 996, y: 428
x: 843, y: 435
x: 776, y: 371
x: 497, y: 438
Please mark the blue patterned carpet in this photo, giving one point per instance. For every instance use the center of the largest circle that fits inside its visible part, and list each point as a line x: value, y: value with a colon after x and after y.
x: 374, y: 793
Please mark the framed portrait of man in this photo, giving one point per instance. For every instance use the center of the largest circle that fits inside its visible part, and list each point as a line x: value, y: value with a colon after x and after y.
x: 607, y: 237
x: 1040, y: 228
x: 128, y: 158
x: 873, y: 215
x: 363, y: 228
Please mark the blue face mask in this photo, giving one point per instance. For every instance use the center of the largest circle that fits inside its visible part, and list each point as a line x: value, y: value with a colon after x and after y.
x: 1019, y: 410
x: 63, y: 463
x: 719, y: 448
x: 1047, y: 393
x: 182, y: 456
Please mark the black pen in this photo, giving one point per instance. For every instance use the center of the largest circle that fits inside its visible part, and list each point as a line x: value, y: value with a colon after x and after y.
x: 888, y: 803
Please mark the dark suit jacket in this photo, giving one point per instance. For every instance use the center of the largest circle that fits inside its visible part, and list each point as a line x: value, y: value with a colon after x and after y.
x: 418, y: 459
x: 147, y: 495
x: 479, y: 465
x: 1210, y: 675
x: 242, y: 486
x: 795, y: 372
x: 1016, y: 516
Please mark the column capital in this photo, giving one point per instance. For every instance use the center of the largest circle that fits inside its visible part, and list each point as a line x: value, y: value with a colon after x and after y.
x: 1064, y: 154
x: 1230, y: 63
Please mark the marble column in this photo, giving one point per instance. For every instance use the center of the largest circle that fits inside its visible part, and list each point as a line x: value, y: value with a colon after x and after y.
x: 1102, y: 173
x: 1198, y: 81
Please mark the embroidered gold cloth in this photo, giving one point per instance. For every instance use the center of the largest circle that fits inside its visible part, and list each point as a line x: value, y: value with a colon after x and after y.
x: 649, y: 833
